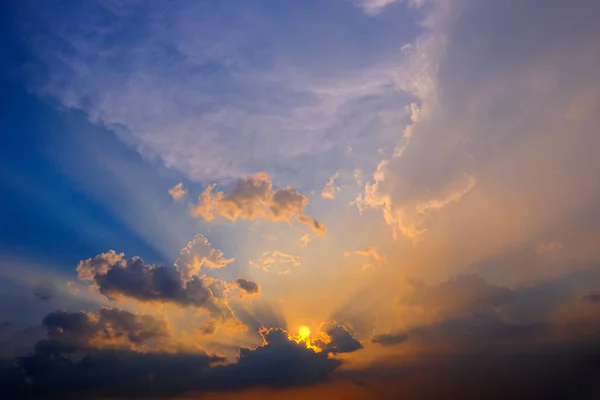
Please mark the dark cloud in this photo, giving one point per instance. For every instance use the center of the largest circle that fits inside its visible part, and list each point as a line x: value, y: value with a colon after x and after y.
x: 340, y: 340
x: 248, y: 286
x: 44, y: 290
x: 537, y: 374
x: 593, y: 298
x: 116, y: 276
x: 279, y: 362
x: 102, y: 373
x: 389, y: 339
x: 70, y: 332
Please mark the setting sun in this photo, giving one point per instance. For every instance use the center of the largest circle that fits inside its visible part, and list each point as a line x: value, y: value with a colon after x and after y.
x: 304, y: 332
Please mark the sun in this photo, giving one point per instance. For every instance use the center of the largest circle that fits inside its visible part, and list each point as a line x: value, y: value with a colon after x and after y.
x: 304, y: 332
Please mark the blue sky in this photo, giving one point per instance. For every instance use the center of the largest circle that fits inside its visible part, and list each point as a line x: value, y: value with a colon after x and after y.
x: 400, y: 176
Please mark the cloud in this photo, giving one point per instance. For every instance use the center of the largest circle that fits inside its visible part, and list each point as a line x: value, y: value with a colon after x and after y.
x: 330, y: 190
x: 389, y: 339
x: 303, y: 241
x: 219, y: 122
x: 469, y: 126
x: 177, y: 192
x: 339, y: 340
x: 71, y: 332
x: 105, y: 374
x: 254, y: 199
x: 272, y: 260
x: 368, y: 251
x: 199, y: 253
x: 280, y: 362
x: 247, y: 286
x: 374, y: 7
x: 44, y: 290
x: 461, y: 295
x: 593, y: 298
x: 135, y: 279
x: 409, y: 216
x: 277, y: 362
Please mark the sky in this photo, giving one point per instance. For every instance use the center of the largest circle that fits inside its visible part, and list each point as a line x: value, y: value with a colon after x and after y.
x: 366, y: 199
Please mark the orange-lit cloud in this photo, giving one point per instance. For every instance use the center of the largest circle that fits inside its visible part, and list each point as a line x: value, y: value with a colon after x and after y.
x: 276, y: 261
x: 199, y: 253
x: 254, y: 199
x: 178, y: 191
x: 330, y: 189
x: 303, y: 241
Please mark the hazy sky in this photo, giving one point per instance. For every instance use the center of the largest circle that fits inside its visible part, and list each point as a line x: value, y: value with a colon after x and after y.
x: 187, y: 184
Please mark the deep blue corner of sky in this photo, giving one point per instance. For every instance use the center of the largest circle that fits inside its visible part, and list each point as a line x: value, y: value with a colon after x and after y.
x: 45, y: 213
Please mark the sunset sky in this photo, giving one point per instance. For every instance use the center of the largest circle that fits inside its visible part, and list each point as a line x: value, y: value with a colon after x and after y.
x: 291, y: 199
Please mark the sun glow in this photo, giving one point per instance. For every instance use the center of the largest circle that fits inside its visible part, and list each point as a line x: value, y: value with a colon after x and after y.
x: 304, y: 332
x: 314, y: 344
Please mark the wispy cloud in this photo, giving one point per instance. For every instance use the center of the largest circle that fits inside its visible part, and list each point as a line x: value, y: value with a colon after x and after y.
x: 213, y: 95
x: 276, y: 261
x: 330, y: 189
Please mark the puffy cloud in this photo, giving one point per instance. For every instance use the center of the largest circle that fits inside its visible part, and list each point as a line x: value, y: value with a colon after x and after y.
x: 178, y: 191
x: 98, y: 265
x: 199, y: 253
x: 330, y: 189
x: 389, y: 339
x: 280, y: 362
x: 133, y: 278
x: 247, y: 286
x: 276, y: 260
x: 253, y: 198
x: 70, y: 332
